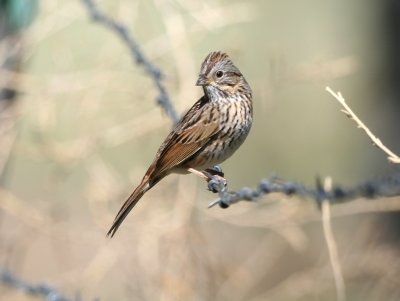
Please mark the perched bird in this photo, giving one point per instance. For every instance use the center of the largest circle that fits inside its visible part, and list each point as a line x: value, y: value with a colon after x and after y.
x: 208, y: 134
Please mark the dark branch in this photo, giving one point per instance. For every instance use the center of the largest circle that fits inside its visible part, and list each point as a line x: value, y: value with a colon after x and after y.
x: 139, y: 57
x: 384, y: 187
x: 40, y: 290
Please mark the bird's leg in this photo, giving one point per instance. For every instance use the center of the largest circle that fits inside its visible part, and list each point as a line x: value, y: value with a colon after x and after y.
x: 216, y: 183
x: 204, y: 175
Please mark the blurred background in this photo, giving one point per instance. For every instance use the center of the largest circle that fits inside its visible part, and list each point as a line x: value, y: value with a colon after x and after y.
x: 79, y: 126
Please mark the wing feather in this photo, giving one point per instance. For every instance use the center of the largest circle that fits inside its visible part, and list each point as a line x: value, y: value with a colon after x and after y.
x: 195, y: 130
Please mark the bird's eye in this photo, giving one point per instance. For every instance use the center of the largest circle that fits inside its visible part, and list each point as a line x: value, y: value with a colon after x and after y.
x: 219, y: 74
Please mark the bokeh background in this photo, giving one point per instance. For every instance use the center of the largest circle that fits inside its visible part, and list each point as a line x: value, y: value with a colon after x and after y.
x: 79, y: 125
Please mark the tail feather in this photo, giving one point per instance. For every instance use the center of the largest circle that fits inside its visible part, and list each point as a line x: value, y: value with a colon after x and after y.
x: 128, y: 205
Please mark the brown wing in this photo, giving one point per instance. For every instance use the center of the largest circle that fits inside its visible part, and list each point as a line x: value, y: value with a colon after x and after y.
x: 195, y: 130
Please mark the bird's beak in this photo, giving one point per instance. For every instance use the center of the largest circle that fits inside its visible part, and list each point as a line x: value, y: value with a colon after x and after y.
x: 202, y: 81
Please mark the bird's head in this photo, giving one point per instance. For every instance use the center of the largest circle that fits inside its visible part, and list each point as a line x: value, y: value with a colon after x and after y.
x: 219, y: 75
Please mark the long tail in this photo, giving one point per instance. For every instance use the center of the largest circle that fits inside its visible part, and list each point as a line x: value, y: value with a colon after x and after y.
x: 128, y: 205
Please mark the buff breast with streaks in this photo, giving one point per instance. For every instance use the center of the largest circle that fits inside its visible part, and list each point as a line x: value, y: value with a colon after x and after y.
x: 208, y: 134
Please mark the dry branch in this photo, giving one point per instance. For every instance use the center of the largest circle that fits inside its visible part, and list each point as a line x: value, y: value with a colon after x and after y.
x: 331, y: 244
x: 392, y: 157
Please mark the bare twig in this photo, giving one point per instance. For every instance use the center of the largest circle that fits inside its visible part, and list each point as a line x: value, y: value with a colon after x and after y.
x: 331, y: 244
x: 40, y: 290
x: 392, y: 157
x: 140, y: 58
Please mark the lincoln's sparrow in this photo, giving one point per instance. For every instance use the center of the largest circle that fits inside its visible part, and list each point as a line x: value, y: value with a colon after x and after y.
x: 208, y: 134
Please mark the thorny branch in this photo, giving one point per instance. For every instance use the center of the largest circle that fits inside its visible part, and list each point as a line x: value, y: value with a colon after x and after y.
x: 140, y: 58
x: 384, y: 187
x: 40, y: 290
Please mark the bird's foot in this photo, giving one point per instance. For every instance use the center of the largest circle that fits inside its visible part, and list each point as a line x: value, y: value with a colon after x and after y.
x: 216, y: 183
